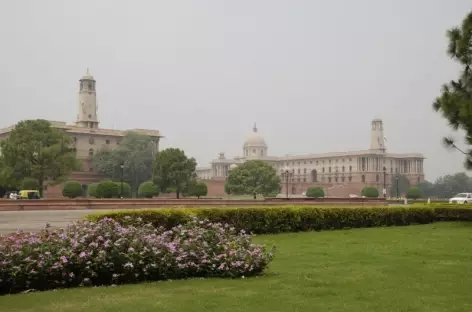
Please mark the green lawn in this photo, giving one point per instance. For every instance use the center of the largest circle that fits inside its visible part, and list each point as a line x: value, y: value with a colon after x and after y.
x: 401, y: 269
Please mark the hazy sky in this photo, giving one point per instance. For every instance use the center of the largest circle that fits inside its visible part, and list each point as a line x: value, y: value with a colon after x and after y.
x: 312, y: 74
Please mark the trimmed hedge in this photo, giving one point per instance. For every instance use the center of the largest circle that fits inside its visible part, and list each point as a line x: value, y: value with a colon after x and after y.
x: 294, y: 219
x: 72, y: 189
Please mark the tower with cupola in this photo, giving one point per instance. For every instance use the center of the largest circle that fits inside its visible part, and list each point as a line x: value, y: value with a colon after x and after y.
x: 87, y: 113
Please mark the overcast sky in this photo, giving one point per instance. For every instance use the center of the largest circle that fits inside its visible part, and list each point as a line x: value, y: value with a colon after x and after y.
x: 312, y: 74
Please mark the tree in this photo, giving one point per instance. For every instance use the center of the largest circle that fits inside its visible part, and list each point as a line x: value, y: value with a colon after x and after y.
x: 135, y: 153
x: 253, y: 177
x: 455, y: 101
x: 36, y: 149
x: 72, y: 189
x: 29, y: 184
x: 173, y: 170
x: 403, y: 185
x: 227, y: 190
x: 315, y: 192
x: 413, y: 193
x: 427, y: 189
x: 148, y: 189
x: 198, y: 189
x: 370, y: 191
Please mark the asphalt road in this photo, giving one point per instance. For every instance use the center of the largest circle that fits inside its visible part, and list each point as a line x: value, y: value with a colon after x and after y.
x: 11, y: 221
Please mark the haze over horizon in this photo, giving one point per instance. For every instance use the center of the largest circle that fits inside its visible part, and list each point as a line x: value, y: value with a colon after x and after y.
x: 312, y: 74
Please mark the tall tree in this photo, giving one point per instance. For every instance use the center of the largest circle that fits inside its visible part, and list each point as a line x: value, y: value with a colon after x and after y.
x: 37, y: 150
x: 134, y: 153
x: 455, y: 101
x: 174, y: 170
x: 252, y: 178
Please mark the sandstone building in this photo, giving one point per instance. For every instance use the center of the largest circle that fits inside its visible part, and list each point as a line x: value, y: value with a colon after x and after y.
x: 339, y: 173
x: 86, y: 134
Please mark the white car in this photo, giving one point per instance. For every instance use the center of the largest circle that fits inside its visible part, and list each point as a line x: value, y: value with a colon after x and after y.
x: 461, y: 198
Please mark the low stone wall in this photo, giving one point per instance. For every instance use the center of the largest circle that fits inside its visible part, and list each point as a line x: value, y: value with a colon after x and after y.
x: 81, y: 204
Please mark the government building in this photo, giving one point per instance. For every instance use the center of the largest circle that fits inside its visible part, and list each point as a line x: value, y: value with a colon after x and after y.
x: 340, y: 174
x: 87, y: 136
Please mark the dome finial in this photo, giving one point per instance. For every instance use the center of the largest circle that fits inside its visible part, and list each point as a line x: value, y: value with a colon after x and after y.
x: 254, y: 128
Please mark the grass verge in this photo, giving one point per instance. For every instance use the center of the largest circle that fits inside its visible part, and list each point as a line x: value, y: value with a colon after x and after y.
x: 417, y: 268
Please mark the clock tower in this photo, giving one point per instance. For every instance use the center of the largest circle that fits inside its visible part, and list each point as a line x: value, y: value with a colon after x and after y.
x: 87, y: 114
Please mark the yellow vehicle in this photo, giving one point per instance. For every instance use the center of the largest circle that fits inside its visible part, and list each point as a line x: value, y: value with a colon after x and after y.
x: 29, y: 194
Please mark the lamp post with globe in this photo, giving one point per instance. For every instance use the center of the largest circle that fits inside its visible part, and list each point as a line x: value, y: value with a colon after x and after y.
x: 286, y: 174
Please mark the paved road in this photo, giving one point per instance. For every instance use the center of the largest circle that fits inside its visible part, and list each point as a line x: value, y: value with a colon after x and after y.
x: 11, y: 221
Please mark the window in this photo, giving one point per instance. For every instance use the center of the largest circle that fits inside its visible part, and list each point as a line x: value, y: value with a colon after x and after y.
x: 329, y: 179
x: 350, y: 178
x: 344, y: 169
x: 363, y: 178
x: 304, y: 171
x: 91, y: 152
x: 323, y: 169
x: 91, y: 140
x: 298, y: 170
x: 107, y: 141
x: 350, y: 168
x: 304, y: 179
x: 329, y: 169
x: 90, y: 86
x: 342, y: 179
x: 377, y: 179
x: 336, y: 179
x: 90, y: 116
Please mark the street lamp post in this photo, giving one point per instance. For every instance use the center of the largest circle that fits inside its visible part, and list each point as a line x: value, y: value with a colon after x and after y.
x: 122, y: 167
x: 385, y: 182
x: 398, y: 193
x: 286, y: 174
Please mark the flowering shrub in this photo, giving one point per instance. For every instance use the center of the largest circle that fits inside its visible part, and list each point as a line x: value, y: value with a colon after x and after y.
x: 107, y: 252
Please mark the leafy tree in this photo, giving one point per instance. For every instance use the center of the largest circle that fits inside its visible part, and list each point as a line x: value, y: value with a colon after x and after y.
x: 107, y: 189
x: 413, y: 193
x: 370, y: 191
x: 403, y: 185
x: 135, y: 153
x: 148, y: 189
x: 29, y: 184
x: 198, y: 189
x: 72, y: 189
x: 92, y: 190
x: 427, y: 189
x: 227, y: 190
x: 455, y: 101
x: 253, y: 177
x: 315, y: 192
x: 174, y: 170
x: 36, y: 149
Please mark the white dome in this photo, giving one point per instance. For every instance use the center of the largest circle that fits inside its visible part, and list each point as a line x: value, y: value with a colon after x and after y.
x: 255, y: 139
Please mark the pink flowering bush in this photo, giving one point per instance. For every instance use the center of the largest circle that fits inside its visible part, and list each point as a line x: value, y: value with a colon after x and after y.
x: 107, y: 252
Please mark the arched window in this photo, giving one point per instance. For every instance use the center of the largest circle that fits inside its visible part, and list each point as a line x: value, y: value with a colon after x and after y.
x: 363, y: 178
x: 91, y: 152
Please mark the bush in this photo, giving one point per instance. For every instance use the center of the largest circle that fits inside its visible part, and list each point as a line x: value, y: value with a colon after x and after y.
x: 148, y: 190
x: 92, y: 190
x: 72, y: 189
x: 29, y: 184
x: 198, y: 189
x: 107, y: 189
x: 315, y: 192
x: 126, y: 189
x: 104, y: 253
x: 413, y: 193
x: 271, y: 220
x: 370, y: 191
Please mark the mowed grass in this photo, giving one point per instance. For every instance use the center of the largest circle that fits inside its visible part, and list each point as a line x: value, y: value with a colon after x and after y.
x: 404, y: 269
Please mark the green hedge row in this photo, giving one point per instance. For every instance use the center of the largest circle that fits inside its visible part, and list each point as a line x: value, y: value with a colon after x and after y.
x: 294, y: 219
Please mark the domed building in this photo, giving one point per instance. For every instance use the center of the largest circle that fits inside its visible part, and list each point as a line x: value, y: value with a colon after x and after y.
x: 339, y: 173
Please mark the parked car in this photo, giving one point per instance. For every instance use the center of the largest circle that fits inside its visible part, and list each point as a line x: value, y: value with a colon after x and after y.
x: 461, y: 198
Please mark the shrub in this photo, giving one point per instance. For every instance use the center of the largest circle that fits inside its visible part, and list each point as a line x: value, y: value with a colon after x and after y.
x: 104, y: 253
x: 198, y: 189
x: 148, y: 189
x: 370, y: 191
x: 413, y: 193
x: 107, y: 189
x: 315, y: 192
x: 92, y: 190
x: 126, y: 189
x: 29, y: 184
x: 72, y: 189
x: 271, y: 220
